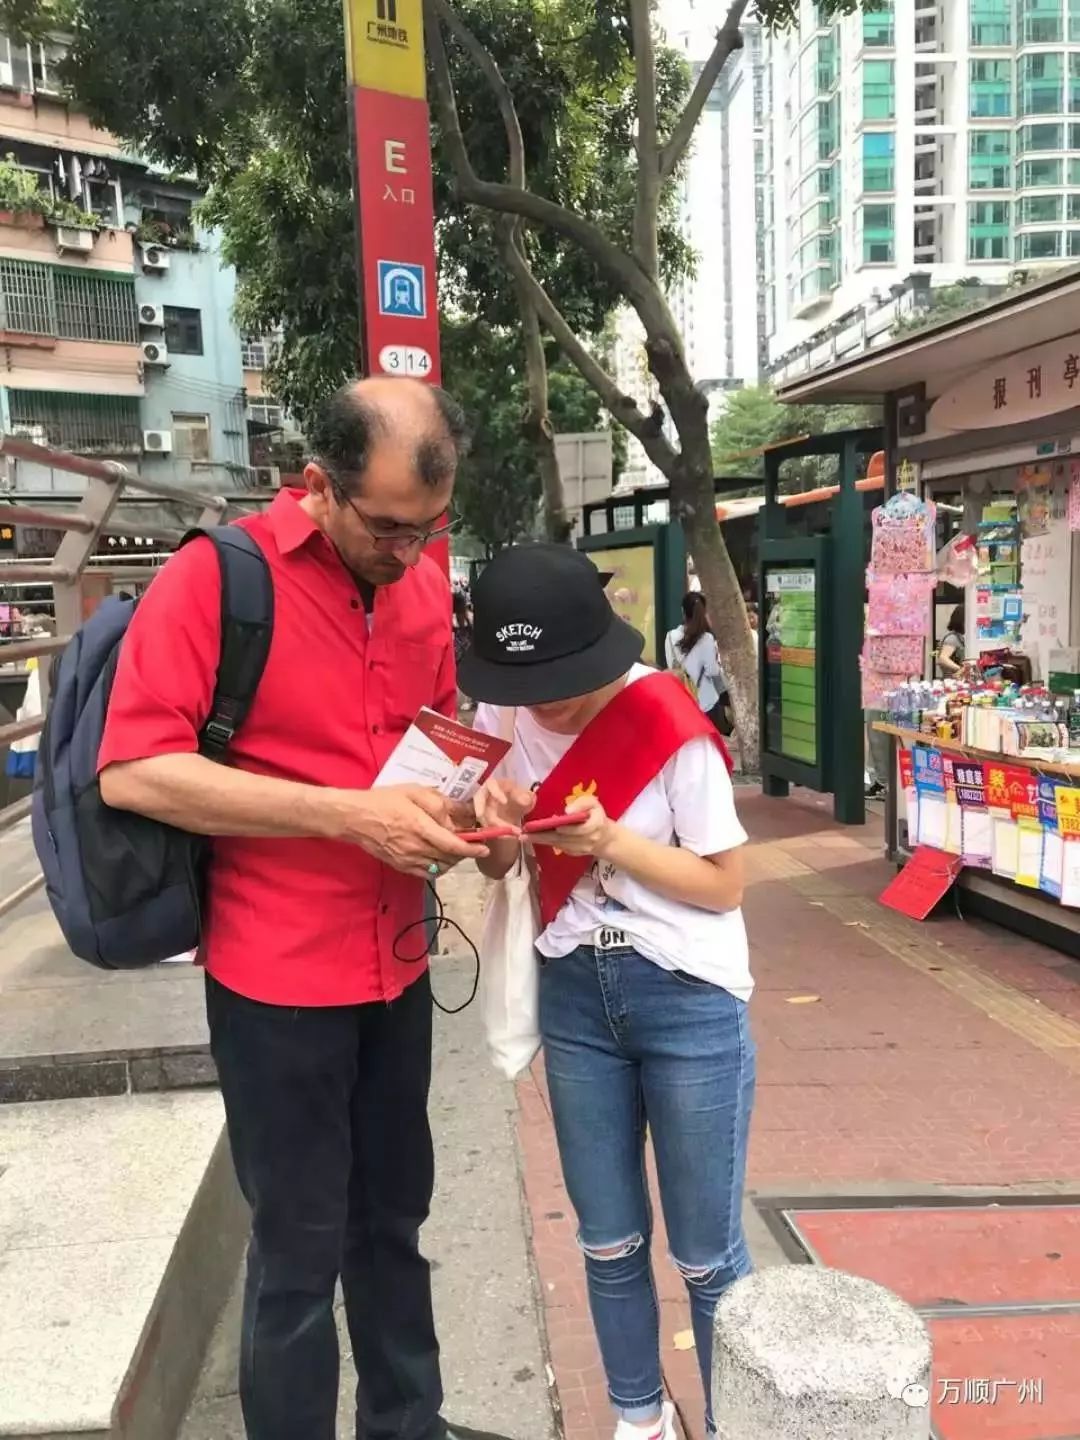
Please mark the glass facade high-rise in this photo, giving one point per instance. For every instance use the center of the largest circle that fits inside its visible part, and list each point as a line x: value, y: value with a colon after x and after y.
x: 930, y: 138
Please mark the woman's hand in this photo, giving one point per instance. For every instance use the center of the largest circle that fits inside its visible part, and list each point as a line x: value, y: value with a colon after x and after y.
x: 501, y: 802
x: 592, y: 837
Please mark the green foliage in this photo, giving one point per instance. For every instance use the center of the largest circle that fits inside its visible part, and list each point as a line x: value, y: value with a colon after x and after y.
x: 498, y: 493
x: 754, y: 418
x: 784, y: 14
x: 949, y: 302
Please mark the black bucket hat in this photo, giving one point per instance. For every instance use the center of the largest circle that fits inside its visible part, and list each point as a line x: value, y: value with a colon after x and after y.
x: 543, y: 630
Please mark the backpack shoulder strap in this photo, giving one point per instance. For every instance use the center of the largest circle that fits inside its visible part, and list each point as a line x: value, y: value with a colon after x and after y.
x: 247, y: 625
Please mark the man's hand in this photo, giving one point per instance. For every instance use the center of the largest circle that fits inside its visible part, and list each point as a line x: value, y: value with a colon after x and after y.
x: 406, y: 827
x: 500, y: 802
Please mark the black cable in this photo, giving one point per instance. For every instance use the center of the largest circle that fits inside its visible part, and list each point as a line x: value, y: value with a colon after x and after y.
x: 441, y: 920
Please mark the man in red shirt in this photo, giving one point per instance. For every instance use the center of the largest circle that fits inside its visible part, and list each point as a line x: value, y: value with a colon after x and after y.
x: 320, y: 1032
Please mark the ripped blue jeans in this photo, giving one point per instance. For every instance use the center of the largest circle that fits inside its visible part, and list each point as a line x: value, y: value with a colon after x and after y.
x: 625, y: 1040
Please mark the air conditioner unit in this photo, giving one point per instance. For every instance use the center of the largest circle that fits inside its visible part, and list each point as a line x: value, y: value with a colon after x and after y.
x: 152, y: 316
x: 157, y: 442
x: 266, y: 477
x: 155, y: 352
x: 155, y: 258
x: 79, y: 242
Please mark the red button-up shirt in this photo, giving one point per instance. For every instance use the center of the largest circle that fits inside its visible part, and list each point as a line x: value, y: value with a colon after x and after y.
x: 294, y: 922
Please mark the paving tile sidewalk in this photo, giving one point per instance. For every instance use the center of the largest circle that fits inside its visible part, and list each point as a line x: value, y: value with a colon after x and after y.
x: 894, y: 1059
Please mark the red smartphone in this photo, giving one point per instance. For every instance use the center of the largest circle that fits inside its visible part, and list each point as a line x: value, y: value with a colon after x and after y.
x: 481, y: 837
x: 555, y: 822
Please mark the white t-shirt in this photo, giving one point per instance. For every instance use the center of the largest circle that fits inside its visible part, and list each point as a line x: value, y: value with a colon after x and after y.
x: 702, y: 664
x: 691, y: 802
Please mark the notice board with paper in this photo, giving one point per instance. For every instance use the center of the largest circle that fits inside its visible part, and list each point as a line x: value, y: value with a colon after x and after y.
x: 1046, y: 580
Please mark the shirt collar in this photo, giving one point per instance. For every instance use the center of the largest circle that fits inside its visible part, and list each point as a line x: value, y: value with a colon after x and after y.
x: 292, y: 526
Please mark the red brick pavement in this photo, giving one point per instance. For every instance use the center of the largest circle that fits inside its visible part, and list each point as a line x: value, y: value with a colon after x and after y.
x: 885, y: 1076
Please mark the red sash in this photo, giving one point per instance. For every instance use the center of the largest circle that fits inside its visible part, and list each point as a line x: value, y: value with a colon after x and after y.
x: 614, y: 758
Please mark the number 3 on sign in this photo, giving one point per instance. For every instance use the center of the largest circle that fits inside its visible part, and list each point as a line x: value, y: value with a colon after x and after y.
x: 404, y: 360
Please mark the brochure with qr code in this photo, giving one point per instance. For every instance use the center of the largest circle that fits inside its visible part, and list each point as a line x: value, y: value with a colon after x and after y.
x: 443, y: 755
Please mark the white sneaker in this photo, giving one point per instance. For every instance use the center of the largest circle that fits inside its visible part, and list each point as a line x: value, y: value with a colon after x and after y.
x: 664, y: 1429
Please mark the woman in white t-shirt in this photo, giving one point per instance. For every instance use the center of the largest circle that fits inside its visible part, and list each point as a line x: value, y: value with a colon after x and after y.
x: 645, y: 972
x: 690, y: 651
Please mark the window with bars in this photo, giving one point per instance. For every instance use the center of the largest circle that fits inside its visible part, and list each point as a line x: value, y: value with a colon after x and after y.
x: 255, y: 354
x: 191, y: 436
x: 183, y: 330
x: 68, y: 304
x: 266, y: 412
x: 85, y: 424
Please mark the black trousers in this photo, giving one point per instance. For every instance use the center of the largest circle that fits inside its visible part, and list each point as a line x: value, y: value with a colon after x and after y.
x: 327, y: 1117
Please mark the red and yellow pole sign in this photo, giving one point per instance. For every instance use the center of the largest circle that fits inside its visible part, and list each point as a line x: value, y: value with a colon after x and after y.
x: 396, y: 215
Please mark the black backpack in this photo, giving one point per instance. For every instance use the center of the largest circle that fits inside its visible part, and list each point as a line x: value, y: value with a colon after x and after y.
x: 127, y: 890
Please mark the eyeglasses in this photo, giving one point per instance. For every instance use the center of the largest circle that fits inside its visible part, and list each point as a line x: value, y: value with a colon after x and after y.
x: 396, y: 539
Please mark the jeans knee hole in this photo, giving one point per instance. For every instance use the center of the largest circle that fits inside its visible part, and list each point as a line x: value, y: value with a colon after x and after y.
x: 696, y: 1274
x: 621, y: 1251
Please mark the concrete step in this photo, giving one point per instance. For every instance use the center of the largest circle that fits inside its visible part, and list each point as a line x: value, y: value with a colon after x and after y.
x: 69, y: 1031
x: 121, y: 1229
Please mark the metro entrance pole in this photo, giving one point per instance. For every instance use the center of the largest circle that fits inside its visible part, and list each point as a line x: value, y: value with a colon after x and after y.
x: 395, y: 207
x: 395, y: 219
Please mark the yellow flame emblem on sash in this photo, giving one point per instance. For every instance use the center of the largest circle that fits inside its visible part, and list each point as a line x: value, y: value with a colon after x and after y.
x: 578, y: 791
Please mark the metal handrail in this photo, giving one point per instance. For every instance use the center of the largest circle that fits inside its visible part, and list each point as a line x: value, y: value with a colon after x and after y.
x: 20, y: 730
x: 15, y: 650
x: 81, y: 530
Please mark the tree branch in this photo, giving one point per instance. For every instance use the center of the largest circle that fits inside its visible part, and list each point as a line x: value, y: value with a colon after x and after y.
x: 636, y: 285
x: 647, y: 205
x: 728, y: 38
x: 646, y: 428
x: 488, y: 66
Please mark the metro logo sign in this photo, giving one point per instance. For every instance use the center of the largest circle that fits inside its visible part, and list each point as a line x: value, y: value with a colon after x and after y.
x: 385, y: 46
x: 397, y: 234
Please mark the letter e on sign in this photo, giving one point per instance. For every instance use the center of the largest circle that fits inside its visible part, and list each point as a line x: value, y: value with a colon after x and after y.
x: 394, y: 151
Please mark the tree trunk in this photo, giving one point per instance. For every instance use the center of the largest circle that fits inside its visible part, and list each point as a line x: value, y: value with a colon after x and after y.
x: 540, y: 431
x: 693, y: 504
x: 536, y: 422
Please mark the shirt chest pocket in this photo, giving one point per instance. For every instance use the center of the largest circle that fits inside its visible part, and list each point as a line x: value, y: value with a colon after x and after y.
x: 410, y: 675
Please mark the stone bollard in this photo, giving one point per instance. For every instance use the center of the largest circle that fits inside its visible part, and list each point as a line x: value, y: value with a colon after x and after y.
x: 806, y: 1353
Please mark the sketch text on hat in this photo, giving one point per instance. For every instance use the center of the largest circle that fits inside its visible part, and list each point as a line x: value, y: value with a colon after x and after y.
x: 519, y: 638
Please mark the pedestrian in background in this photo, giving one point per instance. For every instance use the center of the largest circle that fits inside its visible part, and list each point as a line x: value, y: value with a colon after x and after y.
x: 691, y: 652
x: 645, y: 973
x: 320, y: 1032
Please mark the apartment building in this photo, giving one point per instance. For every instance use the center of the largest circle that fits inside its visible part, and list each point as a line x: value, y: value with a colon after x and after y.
x: 922, y: 144
x: 723, y: 202
x: 116, y: 330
